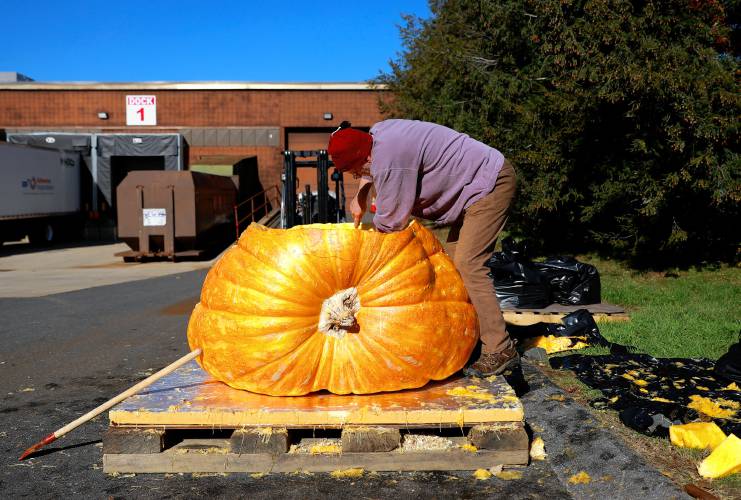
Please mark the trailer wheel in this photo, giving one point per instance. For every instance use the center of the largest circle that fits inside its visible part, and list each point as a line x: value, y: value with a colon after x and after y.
x: 42, y: 235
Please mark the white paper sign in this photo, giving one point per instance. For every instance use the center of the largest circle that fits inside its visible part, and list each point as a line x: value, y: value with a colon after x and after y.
x: 154, y: 216
x: 141, y: 110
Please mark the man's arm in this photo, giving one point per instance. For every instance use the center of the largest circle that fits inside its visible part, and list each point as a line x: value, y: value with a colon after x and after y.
x: 359, y: 203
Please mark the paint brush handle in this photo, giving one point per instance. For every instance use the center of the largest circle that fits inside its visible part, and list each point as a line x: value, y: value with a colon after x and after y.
x: 114, y: 401
x: 128, y: 392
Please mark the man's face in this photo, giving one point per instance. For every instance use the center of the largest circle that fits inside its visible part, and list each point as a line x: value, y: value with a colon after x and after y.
x: 363, y: 170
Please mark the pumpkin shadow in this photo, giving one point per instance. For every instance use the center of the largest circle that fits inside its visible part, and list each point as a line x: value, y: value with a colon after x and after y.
x: 181, y: 386
x: 516, y: 379
x: 514, y: 376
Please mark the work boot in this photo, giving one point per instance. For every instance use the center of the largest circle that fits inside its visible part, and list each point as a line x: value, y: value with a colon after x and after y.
x: 495, y: 363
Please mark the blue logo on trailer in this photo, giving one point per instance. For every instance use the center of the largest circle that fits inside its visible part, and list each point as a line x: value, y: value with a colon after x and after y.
x: 37, y: 184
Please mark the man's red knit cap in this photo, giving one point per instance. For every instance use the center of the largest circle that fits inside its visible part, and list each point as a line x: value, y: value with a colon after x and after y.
x: 349, y: 147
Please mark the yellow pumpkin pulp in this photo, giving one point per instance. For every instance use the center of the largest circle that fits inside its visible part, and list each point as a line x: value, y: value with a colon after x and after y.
x: 328, y: 306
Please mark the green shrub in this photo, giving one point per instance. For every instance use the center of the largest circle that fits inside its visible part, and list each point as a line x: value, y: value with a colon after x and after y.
x: 621, y: 118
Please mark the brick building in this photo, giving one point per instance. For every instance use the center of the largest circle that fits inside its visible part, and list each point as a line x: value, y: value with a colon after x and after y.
x: 211, y: 122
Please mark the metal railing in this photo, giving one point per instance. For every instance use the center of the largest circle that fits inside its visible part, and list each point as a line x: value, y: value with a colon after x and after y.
x: 261, y: 208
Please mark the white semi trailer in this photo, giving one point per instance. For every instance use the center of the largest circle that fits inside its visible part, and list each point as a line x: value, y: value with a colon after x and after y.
x: 39, y: 193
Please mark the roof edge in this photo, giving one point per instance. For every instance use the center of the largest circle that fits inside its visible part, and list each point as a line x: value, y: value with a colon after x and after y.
x: 218, y: 85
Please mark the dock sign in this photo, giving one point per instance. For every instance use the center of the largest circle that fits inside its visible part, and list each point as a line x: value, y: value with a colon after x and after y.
x: 141, y: 110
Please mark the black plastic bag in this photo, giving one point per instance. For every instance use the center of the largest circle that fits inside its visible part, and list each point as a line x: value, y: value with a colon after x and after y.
x: 572, y: 282
x: 516, y: 283
x: 517, y: 249
x: 521, y: 283
x: 728, y: 366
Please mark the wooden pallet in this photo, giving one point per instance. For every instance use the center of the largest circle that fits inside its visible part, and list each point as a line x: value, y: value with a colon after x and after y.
x: 188, y: 422
x: 554, y: 312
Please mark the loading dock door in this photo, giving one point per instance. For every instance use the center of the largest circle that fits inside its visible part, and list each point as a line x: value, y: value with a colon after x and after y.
x: 122, y: 165
x: 134, y: 146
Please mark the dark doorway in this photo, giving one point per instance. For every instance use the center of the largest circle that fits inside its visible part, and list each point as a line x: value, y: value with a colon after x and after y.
x: 122, y: 165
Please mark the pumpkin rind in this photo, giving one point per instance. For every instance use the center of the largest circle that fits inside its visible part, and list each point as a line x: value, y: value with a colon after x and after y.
x: 257, y: 321
x: 724, y: 460
x: 702, y: 435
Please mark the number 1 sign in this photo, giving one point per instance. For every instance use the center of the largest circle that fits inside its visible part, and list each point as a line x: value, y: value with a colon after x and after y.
x: 141, y: 110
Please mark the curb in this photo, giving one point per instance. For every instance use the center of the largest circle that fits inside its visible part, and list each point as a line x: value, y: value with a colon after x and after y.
x: 575, y: 443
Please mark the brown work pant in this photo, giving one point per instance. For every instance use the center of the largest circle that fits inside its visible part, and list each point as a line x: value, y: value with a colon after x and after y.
x: 471, y: 242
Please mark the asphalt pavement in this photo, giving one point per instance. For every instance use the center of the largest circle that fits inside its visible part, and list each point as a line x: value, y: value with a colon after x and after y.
x: 63, y: 354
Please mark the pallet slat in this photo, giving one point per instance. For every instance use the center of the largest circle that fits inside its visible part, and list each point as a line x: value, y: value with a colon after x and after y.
x: 367, y: 439
x: 171, y: 461
x: 603, y: 312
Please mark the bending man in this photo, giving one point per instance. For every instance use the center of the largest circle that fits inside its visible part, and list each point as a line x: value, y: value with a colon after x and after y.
x: 436, y: 173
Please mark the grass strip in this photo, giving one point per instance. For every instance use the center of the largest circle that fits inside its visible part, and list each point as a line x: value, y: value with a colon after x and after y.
x: 685, y: 314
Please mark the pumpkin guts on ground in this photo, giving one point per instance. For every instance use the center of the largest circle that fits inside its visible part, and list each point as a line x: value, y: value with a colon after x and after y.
x: 327, y: 306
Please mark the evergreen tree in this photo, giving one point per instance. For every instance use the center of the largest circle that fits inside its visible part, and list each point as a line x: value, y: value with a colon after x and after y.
x: 621, y: 117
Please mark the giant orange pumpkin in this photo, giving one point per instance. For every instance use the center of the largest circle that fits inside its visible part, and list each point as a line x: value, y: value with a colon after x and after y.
x: 327, y: 306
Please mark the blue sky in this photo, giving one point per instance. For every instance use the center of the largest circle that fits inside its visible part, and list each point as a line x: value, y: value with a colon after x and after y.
x: 186, y: 40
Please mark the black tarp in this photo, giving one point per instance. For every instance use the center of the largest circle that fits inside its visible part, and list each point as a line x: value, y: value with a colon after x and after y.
x: 579, y: 323
x: 728, y: 366
x: 651, y: 393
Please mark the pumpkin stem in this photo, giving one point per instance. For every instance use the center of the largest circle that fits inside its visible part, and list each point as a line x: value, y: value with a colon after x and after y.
x: 338, y: 312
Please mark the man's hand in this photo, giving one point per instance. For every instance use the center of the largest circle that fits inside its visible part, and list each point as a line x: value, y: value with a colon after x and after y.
x: 359, y: 203
x: 357, y: 209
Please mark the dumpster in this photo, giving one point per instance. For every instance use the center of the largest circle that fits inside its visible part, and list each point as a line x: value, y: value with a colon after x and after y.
x: 174, y: 214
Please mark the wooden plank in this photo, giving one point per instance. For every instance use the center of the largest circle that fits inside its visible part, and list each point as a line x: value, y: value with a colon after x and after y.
x: 602, y: 313
x: 603, y: 308
x: 190, y: 397
x: 607, y: 318
x: 364, y: 439
x: 525, y: 318
x: 259, y: 440
x: 171, y: 461
x: 499, y: 436
x: 133, y: 441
